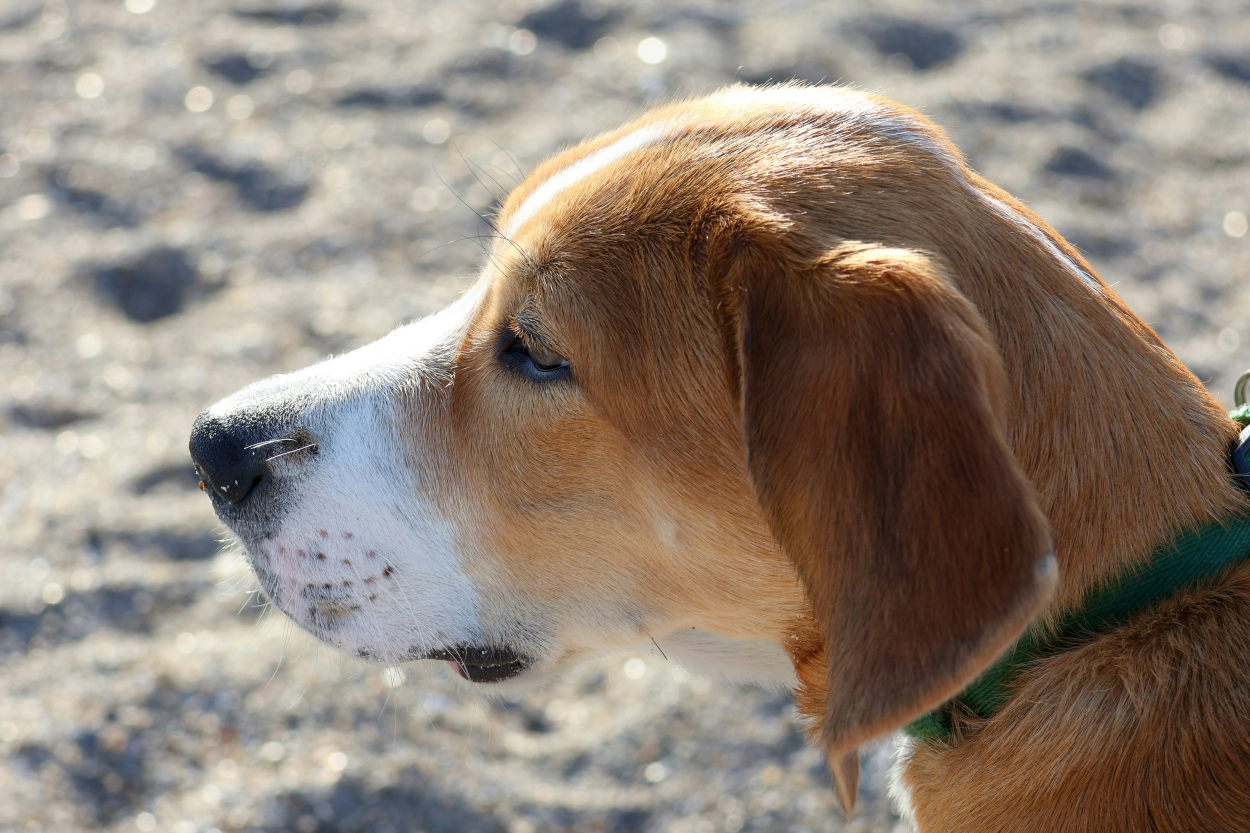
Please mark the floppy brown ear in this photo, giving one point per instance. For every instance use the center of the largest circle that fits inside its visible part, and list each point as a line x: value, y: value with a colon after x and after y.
x: 872, y: 399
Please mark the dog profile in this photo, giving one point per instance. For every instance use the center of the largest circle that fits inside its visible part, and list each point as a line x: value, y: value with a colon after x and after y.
x: 773, y: 379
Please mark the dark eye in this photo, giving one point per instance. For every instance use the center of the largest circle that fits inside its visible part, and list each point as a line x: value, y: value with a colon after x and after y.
x: 534, y: 361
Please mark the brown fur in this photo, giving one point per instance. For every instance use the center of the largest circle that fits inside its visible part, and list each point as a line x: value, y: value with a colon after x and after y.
x: 871, y: 398
x: 823, y: 395
x: 1143, y: 729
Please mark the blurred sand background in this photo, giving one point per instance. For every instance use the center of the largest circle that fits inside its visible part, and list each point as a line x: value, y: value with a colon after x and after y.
x: 197, y: 194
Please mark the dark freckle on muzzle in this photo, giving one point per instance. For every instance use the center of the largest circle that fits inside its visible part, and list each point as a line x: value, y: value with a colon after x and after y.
x: 329, y: 607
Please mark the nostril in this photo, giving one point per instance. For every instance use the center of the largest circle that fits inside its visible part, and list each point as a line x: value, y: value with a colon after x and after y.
x: 225, y: 459
x: 233, y: 485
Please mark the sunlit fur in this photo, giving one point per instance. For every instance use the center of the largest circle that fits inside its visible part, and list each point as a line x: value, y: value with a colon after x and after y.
x: 617, y: 265
x: 832, y: 391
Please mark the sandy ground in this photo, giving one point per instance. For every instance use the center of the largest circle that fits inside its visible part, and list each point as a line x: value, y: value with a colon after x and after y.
x: 194, y: 195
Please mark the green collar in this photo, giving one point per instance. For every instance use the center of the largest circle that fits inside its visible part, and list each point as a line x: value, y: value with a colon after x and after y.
x: 1193, y: 557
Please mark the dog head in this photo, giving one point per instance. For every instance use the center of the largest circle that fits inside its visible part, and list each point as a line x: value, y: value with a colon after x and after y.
x: 718, y: 388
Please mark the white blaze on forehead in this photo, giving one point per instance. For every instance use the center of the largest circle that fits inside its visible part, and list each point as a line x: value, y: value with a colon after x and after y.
x: 587, y: 165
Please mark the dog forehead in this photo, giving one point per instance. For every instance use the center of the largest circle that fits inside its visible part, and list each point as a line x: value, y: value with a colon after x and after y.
x: 794, y: 159
x: 590, y: 227
x: 670, y: 157
x: 572, y: 169
x: 683, y: 156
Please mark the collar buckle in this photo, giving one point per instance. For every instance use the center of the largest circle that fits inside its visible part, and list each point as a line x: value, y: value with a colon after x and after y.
x: 1240, y: 457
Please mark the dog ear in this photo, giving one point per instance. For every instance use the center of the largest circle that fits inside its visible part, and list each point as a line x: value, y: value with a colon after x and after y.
x: 873, y: 404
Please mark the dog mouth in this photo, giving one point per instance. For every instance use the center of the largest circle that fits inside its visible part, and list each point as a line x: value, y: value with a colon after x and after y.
x: 482, y: 664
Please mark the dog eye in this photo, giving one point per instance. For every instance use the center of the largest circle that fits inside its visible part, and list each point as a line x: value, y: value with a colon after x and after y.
x: 544, y: 360
x: 535, y: 361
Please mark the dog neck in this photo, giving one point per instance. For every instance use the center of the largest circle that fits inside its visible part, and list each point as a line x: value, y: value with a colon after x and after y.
x: 1122, y: 442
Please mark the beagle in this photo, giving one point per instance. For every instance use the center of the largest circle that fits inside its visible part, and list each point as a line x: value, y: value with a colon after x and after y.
x: 772, y: 379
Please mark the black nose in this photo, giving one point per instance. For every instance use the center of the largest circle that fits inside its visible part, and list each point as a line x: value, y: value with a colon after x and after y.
x: 226, y: 457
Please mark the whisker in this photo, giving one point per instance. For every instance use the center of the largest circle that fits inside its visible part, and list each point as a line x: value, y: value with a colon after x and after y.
x: 471, y: 238
x: 657, y: 647
x: 479, y: 214
x: 292, y: 451
x: 511, y: 158
x: 502, y: 172
x: 269, y: 442
x: 309, y: 681
x: 470, y: 164
x: 496, y: 233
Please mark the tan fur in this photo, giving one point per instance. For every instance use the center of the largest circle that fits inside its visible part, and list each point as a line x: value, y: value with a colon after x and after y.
x: 823, y: 395
x: 871, y: 398
x: 1143, y: 729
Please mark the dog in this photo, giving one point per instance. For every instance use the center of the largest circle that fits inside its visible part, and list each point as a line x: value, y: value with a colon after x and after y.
x: 772, y: 379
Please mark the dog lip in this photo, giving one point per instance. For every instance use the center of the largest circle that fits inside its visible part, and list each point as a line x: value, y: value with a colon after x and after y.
x: 482, y: 664
x: 493, y: 674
